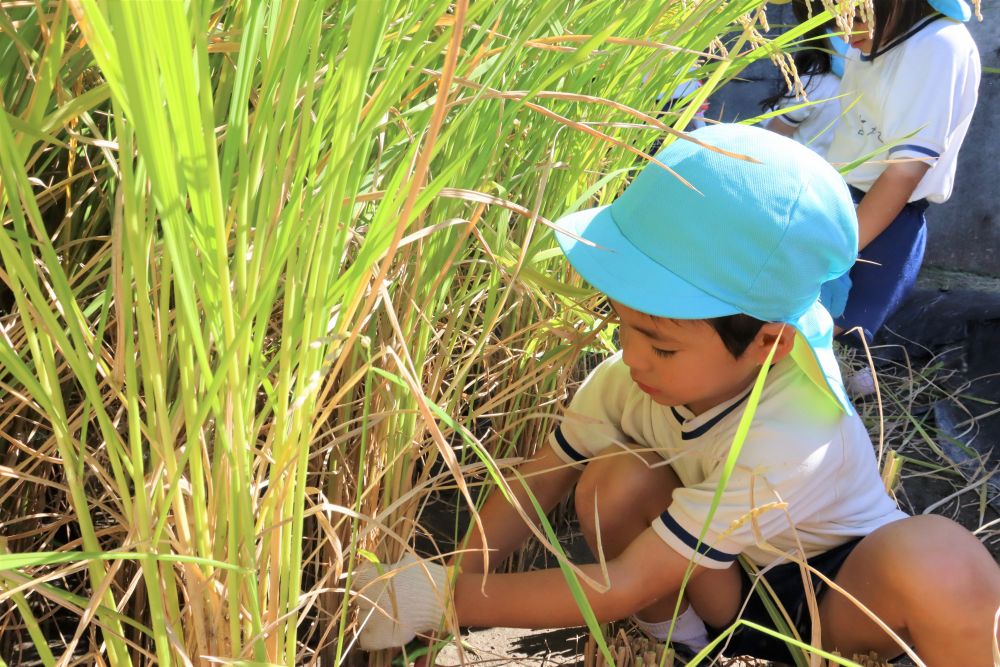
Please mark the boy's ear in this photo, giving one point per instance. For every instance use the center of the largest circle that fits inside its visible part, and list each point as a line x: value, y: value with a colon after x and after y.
x: 771, y: 334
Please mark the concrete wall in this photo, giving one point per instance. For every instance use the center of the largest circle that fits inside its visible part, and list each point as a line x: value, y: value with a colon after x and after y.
x: 964, y: 232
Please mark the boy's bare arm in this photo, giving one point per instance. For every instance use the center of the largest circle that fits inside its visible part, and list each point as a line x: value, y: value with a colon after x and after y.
x: 886, y: 198
x: 647, y: 571
x: 549, y: 480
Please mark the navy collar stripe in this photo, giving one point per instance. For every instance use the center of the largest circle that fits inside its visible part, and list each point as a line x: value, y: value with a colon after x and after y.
x: 704, y: 428
x: 896, y: 42
x: 692, y: 541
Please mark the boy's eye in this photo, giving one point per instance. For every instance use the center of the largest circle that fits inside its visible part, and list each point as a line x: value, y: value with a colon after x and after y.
x: 663, y: 353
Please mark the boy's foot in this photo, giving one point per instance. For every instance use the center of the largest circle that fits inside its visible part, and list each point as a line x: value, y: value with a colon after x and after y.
x: 688, y: 630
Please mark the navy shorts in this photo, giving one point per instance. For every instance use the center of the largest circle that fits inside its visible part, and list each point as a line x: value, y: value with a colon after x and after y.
x: 786, y: 582
x: 888, y: 271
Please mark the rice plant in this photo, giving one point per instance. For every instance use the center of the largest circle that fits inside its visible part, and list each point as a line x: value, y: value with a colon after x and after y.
x: 273, y: 272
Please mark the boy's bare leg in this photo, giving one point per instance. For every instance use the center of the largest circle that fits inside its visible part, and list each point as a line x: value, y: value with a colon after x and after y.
x: 632, y: 489
x: 931, y: 581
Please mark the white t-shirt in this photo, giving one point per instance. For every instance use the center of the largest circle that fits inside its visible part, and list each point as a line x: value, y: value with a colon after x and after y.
x: 814, y: 124
x: 806, y: 473
x: 921, y: 92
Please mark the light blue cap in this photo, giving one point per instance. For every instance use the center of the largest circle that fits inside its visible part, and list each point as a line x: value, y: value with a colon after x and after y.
x: 758, y: 238
x: 839, y: 48
x: 953, y: 9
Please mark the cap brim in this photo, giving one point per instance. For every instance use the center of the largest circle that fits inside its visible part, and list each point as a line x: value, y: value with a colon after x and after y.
x: 614, y: 266
x: 813, y: 352
x: 953, y: 9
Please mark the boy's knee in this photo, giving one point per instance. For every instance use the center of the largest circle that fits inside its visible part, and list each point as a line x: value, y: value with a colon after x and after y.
x: 625, y: 485
x: 961, y: 553
x: 937, y: 541
x: 600, y: 493
x: 932, y: 552
x: 927, y: 578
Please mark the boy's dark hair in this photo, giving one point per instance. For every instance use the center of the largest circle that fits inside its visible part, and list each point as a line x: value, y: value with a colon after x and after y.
x: 736, y: 331
x: 811, y: 59
x: 893, y: 19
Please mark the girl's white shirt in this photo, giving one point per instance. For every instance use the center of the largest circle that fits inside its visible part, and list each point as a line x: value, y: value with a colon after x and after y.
x: 914, y: 101
x: 815, y: 124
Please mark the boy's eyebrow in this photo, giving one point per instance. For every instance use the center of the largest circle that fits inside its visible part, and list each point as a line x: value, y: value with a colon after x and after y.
x: 654, y: 334
x: 646, y: 331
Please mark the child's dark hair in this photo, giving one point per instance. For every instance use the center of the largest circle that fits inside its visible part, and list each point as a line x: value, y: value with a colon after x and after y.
x: 736, y: 331
x: 893, y: 18
x: 812, y: 59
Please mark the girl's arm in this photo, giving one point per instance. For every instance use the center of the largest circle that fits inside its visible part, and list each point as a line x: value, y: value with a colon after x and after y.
x: 886, y: 198
x: 780, y: 126
x: 647, y: 571
x: 549, y: 480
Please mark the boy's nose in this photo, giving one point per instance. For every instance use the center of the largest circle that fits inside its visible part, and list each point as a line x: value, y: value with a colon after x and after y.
x: 634, y: 359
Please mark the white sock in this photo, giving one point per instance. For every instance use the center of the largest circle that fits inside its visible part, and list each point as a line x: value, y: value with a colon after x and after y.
x: 689, y: 629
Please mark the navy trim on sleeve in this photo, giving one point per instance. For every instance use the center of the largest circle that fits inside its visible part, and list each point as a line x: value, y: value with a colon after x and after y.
x: 915, y: 148
x: 566, y: 447
x: 692, y: 541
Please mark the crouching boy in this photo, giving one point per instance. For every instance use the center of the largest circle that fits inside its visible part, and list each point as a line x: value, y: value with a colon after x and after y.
x: 713, y: 283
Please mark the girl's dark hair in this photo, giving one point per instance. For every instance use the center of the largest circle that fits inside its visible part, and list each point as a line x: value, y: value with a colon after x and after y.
x: 736, y: 331
x: 893, y: 18
x: 812, y: 59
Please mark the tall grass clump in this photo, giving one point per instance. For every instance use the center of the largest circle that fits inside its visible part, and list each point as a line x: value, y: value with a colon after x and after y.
x: 274, y: 272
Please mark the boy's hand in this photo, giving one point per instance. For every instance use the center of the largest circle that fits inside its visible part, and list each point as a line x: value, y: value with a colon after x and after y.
x: 410, y: 597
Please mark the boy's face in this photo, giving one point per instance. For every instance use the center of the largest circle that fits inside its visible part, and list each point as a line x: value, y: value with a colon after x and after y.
x: 682, y: 362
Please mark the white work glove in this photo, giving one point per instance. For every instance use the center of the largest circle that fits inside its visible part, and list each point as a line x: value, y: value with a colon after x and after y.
x: 410, y: 597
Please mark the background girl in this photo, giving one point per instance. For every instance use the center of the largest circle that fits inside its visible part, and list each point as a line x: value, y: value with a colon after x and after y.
x: 910, y: 86
x: 820, y: 65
